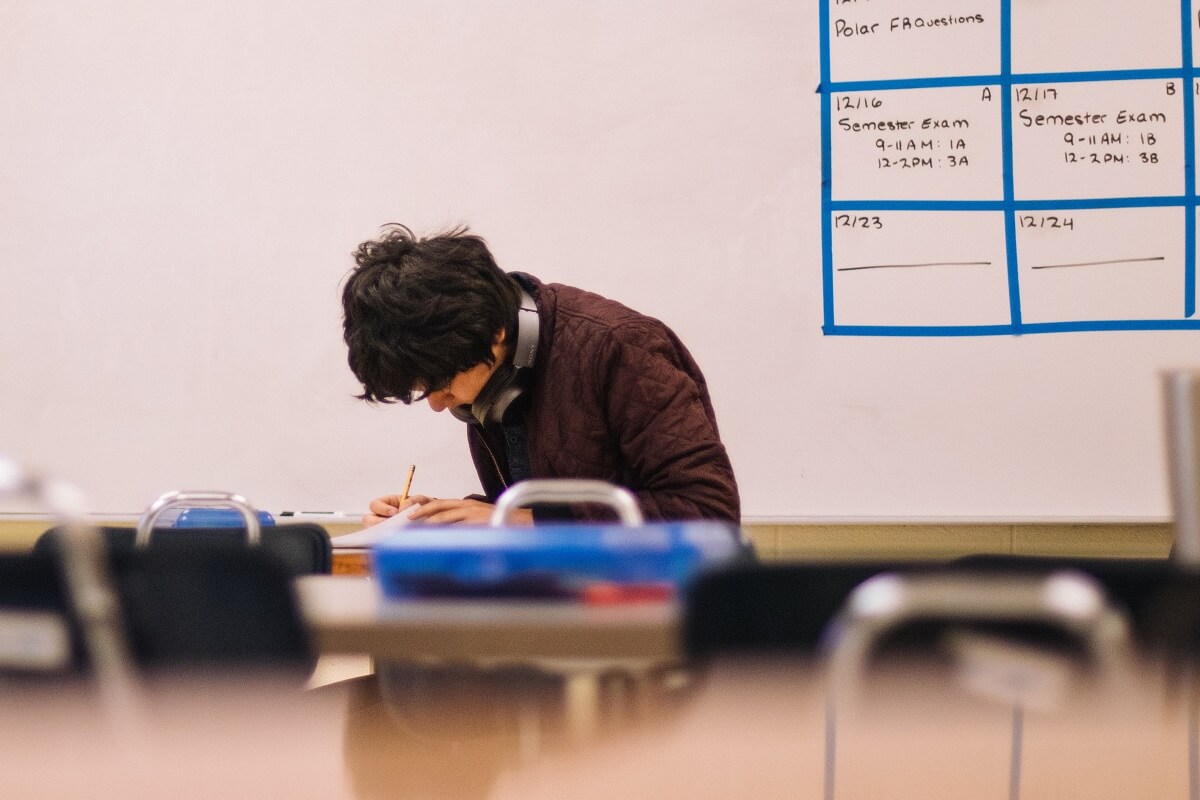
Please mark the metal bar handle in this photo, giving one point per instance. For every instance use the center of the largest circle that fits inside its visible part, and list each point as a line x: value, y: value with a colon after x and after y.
x: 1181, y: 401
x: 145, y: 525
x: 1071, y: 600
x: 568, y: 490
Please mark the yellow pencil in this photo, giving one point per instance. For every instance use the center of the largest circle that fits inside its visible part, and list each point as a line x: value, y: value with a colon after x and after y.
x: 407, y: 483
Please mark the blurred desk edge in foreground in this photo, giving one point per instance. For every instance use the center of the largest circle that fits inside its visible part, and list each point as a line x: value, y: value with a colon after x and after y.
x: 349, y: 615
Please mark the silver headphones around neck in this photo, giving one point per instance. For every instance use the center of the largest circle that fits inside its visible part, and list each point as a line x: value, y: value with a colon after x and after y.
x: 506, y: 384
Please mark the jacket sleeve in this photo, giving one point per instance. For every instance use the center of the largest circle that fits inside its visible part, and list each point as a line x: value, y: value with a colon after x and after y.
x: 658, y: 412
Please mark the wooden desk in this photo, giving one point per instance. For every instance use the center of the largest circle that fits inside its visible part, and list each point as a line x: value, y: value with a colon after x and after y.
x: 349, y: 615
x: 214, y: 736
x: 764, y: 731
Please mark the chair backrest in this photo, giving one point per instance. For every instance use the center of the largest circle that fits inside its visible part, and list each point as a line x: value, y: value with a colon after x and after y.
x: 302, y: 548
x: 771, y: 608
x: 218, y: 608
x: 782, y: 608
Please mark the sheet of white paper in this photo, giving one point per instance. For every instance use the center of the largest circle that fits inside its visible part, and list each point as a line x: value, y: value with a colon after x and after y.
x: 367, y: 537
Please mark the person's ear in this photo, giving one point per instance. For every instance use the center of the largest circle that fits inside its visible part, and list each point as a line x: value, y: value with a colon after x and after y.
x: 498, y: 346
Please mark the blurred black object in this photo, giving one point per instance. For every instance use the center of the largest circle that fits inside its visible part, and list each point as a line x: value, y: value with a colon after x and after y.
x: 184, y: 609
x: 302, y: 548
x: 771, y: 609
x: 783, y: 608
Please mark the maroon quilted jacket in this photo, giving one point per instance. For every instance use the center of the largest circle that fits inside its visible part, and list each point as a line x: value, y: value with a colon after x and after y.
x: 615, y: 396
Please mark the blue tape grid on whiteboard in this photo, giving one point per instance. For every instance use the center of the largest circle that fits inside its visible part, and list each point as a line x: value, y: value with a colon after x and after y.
x: 826, y: 171
x: 1189, y: 165
x: 1010, y: 217
x: 1006, y: 79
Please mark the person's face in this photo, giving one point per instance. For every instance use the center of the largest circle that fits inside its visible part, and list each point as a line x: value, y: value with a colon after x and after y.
x: 465, y: 386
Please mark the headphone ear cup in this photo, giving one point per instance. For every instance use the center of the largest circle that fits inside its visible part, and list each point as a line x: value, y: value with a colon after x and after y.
x: 504, y: 398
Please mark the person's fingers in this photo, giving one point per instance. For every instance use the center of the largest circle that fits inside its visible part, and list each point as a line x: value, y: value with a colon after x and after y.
x: 472, y: 513
x: 389, y: 505
x: 385, y: 506
x: 429, y: 506
x: 441, y: 512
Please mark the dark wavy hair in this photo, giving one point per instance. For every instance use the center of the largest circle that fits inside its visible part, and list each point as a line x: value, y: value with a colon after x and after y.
x: 417, y: 311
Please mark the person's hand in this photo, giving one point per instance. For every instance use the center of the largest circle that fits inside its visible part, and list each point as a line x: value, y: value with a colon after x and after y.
x: 444, y: 511
x: 462, y: 512
x: 385, y: 507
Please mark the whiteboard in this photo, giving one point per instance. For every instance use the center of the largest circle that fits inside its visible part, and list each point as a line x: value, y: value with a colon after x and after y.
x: 183, y: 184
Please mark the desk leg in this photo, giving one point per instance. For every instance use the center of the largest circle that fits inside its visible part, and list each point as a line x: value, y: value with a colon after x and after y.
x: 529, y: 732
x: 657, y: 691
x: 618, y: 702
x: 582, y: 700
x: 1193, y: 757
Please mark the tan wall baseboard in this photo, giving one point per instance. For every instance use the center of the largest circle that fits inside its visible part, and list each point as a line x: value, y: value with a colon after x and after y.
x: 933, y: 541
x: 18, y: 535
x: 784, y: 542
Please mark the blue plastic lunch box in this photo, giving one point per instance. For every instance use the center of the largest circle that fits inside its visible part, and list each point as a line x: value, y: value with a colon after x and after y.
x: 547, y: 561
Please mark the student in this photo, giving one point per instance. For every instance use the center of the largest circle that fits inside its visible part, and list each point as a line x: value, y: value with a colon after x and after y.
x: 552, y: 381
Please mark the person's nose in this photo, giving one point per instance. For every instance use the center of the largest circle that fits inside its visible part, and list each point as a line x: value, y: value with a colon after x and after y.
x: 439, y: 401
